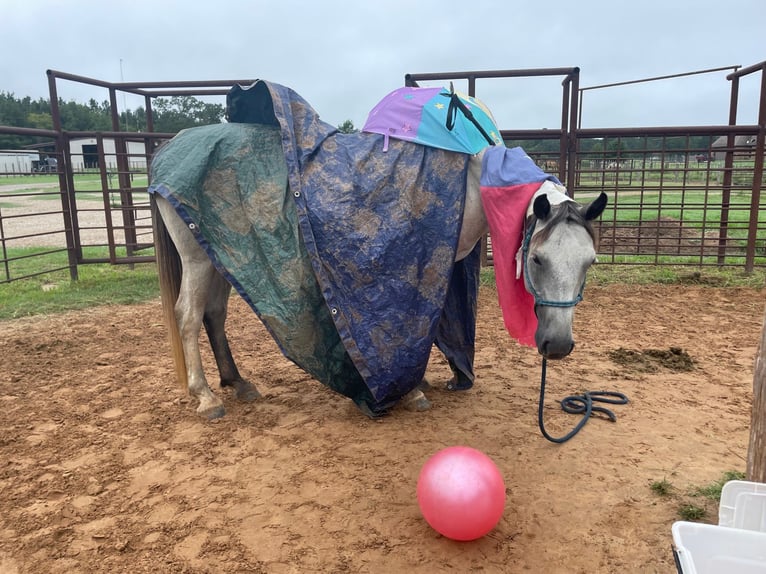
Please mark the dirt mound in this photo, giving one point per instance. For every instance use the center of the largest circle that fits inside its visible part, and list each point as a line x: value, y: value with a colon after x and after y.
x: 651, y: 360
x: 665, y: 236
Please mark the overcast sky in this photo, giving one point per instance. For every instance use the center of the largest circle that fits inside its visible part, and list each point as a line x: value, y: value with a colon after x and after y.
x: 344, y: 56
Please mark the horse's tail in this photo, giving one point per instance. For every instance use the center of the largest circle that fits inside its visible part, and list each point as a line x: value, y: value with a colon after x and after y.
x: 169, y: 271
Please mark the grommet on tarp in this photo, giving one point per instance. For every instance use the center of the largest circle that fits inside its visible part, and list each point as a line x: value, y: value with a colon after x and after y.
x: 297, y: 193
x: 334, y: 311
x: 192, y: 226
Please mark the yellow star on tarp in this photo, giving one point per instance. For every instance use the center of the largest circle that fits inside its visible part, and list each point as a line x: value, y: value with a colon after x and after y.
x: 439, y: 106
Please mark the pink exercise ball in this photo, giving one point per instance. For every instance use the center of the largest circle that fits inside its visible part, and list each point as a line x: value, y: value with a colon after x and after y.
x: 461, y: 493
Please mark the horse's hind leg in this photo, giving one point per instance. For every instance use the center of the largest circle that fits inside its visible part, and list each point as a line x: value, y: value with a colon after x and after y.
x: 214, y: 321
x: 198, y: 275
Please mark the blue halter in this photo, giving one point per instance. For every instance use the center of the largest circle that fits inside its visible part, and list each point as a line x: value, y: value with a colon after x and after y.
x: 531, y: 288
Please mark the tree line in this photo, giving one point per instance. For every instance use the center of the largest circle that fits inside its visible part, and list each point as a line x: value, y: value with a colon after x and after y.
x: 170, y: 116
x: 621, y: 148
x: 174, y: 114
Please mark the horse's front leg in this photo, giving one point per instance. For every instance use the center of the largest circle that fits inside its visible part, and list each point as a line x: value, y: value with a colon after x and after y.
x: 198, y: 274
x: 215, y: 323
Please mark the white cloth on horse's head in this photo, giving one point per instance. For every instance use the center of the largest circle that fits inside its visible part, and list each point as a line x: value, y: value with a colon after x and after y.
x: 556, y: 193
x: 509, y: 180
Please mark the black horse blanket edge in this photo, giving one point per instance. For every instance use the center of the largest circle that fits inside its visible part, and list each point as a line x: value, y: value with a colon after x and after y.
x: 344, y: 251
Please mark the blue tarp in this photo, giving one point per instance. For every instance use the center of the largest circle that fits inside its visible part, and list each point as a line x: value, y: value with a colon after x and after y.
x: 344, y: 251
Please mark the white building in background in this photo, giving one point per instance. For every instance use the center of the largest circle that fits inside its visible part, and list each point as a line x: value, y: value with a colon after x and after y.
x: 14, y: 162
x: 84, y: 157
x: 85, y: 154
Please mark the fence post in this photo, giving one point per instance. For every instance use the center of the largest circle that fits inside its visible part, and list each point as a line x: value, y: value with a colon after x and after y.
x: 66, y: 182
x: 756, y: 454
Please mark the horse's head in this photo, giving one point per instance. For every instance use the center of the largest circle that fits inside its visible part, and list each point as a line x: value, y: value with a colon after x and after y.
x: 558, y: 250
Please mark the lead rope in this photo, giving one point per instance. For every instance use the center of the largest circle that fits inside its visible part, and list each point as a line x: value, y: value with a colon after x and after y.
x: 576, y: 404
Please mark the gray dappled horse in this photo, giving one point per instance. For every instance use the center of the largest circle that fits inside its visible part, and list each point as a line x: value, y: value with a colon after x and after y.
x: 558, y: 252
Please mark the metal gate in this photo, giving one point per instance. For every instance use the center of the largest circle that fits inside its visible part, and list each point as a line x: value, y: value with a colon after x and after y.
x: 116, y: 214
x: 105, y: 177
x: 677, y: 195
x: 681, y: 196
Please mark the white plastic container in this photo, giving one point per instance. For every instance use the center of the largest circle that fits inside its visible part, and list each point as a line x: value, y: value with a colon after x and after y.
x: 713, y: 549
x: 743, y: 505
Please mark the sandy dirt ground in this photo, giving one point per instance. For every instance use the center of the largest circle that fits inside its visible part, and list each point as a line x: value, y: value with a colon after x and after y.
x: 105, y: 467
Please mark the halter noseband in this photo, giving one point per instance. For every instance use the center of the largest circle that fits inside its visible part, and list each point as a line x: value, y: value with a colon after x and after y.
x: 528, y: 283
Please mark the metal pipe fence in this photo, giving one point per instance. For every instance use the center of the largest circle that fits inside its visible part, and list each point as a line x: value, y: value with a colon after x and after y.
x: 677, y: 195
x: 92, y: 207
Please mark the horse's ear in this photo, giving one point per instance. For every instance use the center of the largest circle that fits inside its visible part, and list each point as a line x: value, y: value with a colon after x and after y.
x: 596, y: 207
x: 542, y: 207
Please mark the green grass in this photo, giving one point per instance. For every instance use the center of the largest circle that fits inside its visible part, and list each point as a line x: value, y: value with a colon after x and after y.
x: 98, y: 285
x: 54, y: 292
x: 32, y: 179
x: 661, y: 487
x: 712, y: 491
x: 47, y: 195
x: 647, y: 208
x: 103, y: 283
x: 643, y: 203
x: 698, y: 502
x: 54, y: 178
x: 602, y: 275
x: 692, y: 512
x: 487, y: 276
x: 82, y: 182
x: 650, y: 173
x: 675, y: 275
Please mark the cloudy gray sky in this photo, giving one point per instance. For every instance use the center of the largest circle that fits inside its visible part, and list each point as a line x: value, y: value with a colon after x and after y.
x: 343, y: 56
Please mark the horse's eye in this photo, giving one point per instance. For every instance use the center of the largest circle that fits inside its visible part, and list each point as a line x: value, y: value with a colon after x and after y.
x: 537, y: 260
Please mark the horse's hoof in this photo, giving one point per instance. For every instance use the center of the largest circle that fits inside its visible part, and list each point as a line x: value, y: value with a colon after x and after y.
x: 367, y: 411
x: 461, y: 384
x: 248, y: 396
x: 246, y: 391
x: 212, y: 413
x: 416, y: 401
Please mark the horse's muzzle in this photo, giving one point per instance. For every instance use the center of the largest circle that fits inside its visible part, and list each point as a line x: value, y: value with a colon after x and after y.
x: 555, y: 349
